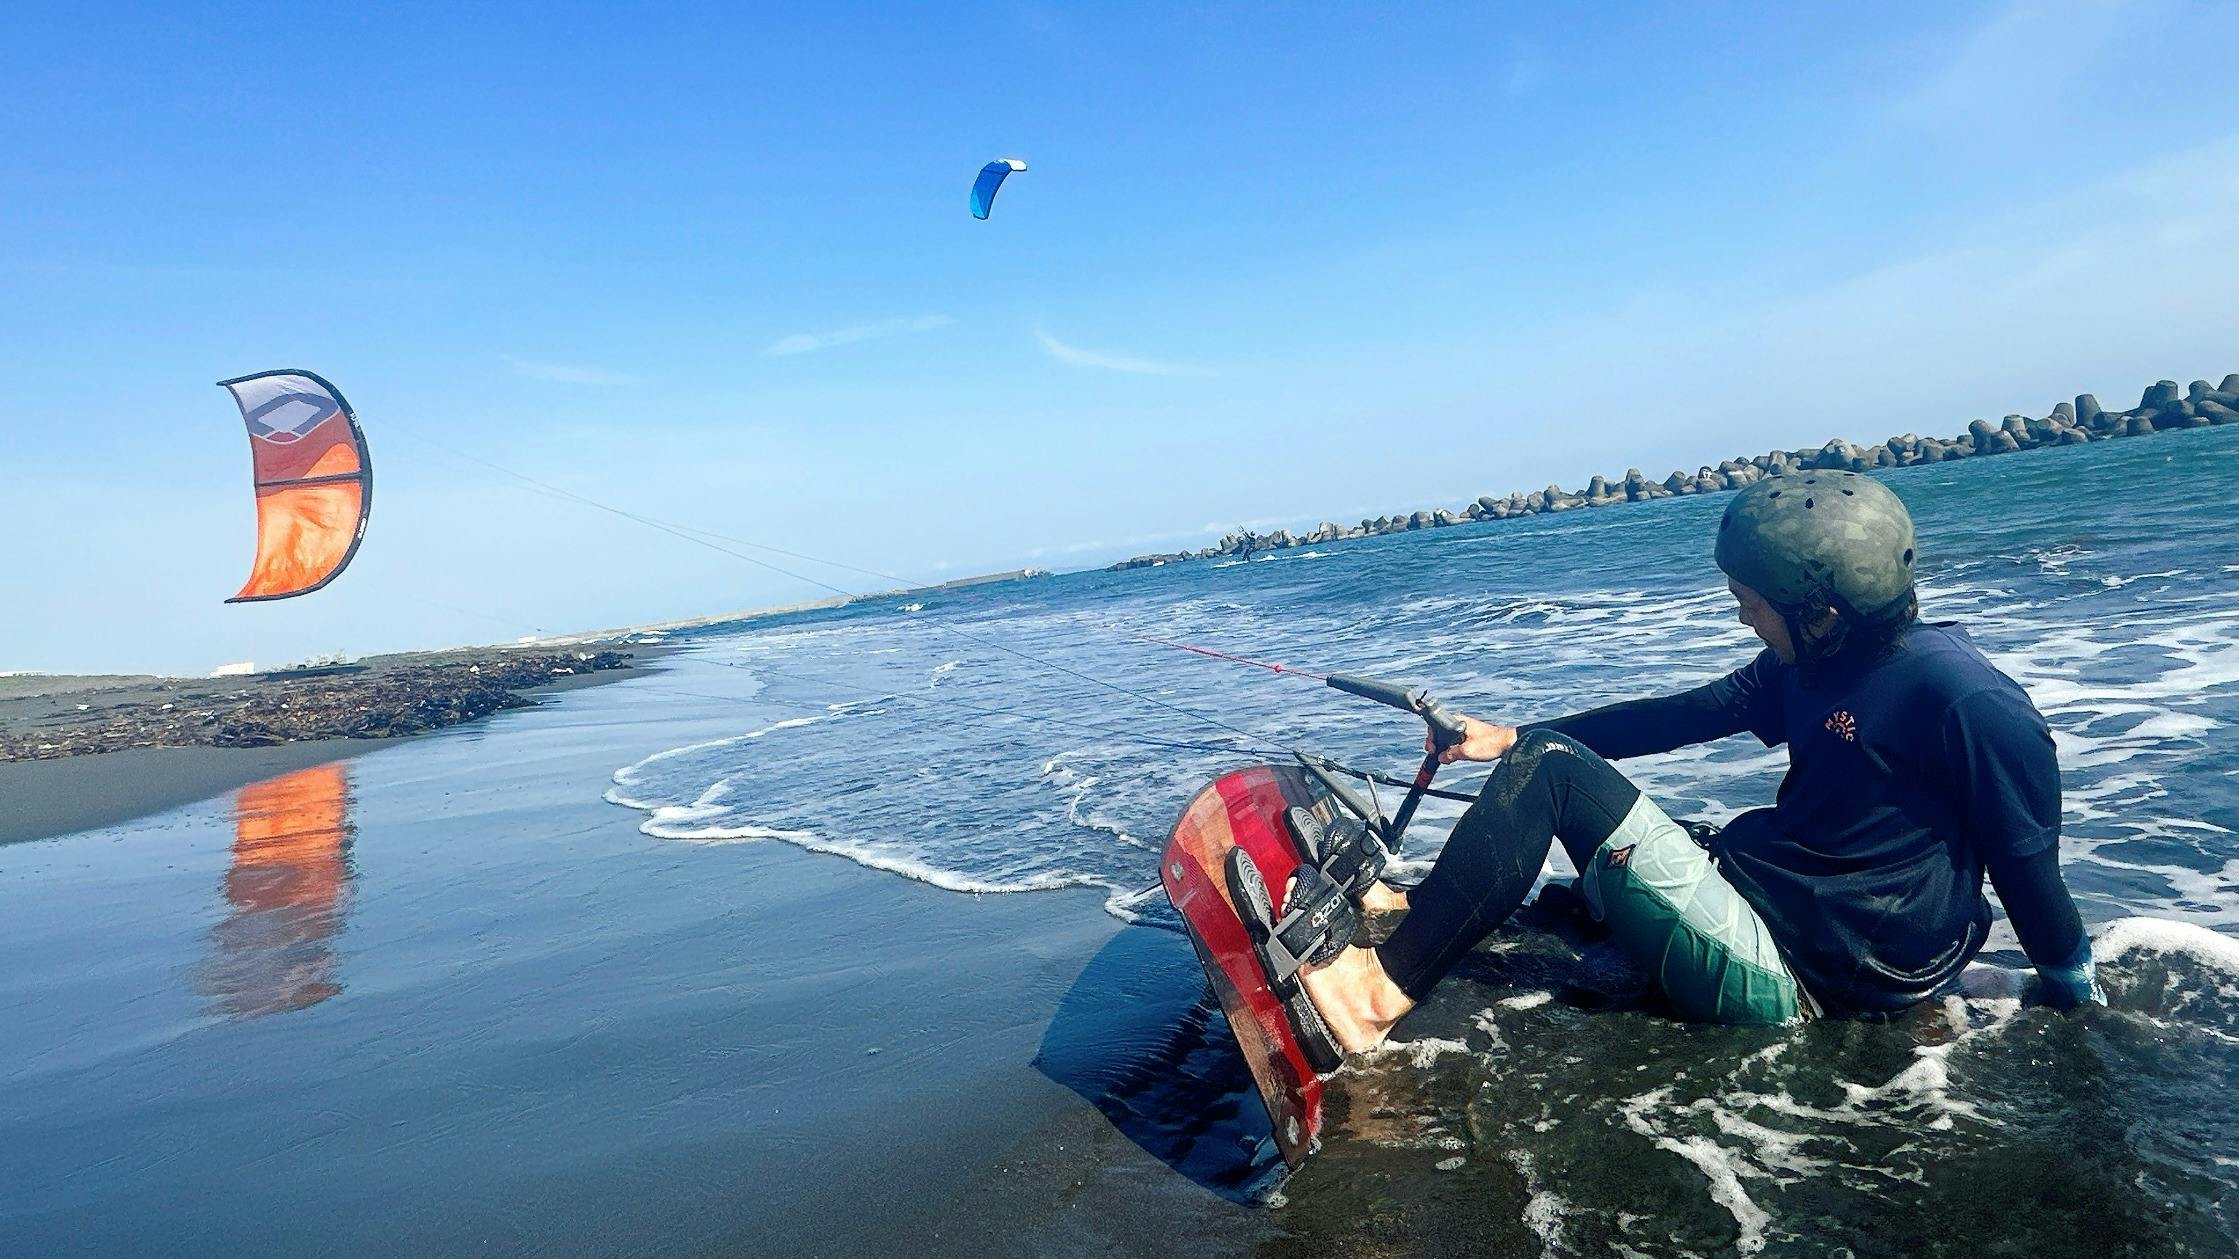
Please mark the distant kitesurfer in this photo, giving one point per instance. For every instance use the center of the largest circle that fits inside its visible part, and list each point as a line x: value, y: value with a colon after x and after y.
x: 1915, y: 768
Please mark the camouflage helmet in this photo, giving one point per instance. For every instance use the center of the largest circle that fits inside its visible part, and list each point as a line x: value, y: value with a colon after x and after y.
x: 1829, y: 537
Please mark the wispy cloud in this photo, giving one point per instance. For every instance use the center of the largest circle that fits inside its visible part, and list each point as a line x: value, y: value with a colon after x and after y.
x: 1967, y: 81
x: 810, y: 342
x: 566, y: 373
x: 1527, y: 69
x: 1076, y: 357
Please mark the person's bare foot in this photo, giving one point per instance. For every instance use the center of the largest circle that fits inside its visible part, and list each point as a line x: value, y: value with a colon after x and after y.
x: 1383, y: 898
x: 1356, y: 998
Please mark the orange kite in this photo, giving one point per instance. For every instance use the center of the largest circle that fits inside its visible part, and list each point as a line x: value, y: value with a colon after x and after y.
x: 314, y: 481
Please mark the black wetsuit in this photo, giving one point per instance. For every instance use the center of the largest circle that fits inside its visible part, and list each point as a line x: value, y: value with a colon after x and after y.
x: 1910, y: 777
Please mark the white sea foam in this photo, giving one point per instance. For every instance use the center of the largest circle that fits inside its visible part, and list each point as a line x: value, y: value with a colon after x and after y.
x: 1926, y: 1083
x: 1750, y: 1136
x: 632, y: 775
x: 1770, y: 1148
x: 2113, y: 582
x: 1126, y: 906
x: 1418, y: 1053
x: 1544, y: 1210
x: 1077, y: 786
x: 1719, y: 1166
x: 2158, y: 935
x: 872, y: 856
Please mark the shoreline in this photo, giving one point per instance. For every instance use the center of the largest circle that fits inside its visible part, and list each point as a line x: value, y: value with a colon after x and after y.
x: 46, y: 797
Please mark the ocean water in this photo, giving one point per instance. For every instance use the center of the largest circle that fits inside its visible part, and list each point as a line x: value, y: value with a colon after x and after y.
x: 1025, y: 737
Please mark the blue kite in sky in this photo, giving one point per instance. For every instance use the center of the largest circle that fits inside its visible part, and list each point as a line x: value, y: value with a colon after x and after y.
x: 991, y: 178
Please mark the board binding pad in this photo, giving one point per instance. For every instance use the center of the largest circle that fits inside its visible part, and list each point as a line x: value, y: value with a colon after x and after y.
x: 1244, y: 809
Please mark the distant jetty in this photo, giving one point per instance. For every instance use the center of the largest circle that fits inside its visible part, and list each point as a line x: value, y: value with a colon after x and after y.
x: 2164, y: 406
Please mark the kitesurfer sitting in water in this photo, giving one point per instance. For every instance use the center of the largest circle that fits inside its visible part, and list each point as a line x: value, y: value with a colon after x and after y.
x: 1915, y: 768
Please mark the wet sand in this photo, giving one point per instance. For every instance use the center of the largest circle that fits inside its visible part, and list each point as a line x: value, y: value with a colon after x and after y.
x: 532, y: 1028
x: 39, y: 799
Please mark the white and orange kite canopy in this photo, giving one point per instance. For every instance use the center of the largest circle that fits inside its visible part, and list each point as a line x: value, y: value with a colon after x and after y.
x: 314, y: 481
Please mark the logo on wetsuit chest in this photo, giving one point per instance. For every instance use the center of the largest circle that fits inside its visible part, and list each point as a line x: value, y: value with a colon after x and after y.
x: 1844, y: 726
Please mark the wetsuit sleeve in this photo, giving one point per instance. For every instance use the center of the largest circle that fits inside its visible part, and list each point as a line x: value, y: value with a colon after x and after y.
x: 2005, y: 782
x: 1746, y: 699
x: 2051, y: 931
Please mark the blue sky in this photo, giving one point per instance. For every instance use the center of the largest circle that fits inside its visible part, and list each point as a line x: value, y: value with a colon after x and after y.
x: 1269, y: 265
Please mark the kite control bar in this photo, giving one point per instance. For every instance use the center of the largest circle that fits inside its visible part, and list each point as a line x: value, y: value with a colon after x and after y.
x: 1445, y: 725
x: 1446, y: 729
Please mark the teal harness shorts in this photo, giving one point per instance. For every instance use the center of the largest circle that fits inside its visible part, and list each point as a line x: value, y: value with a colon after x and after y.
x: 1667, y: 906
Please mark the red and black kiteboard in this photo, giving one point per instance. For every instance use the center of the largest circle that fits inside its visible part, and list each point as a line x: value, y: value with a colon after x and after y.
x: 1244, y: 809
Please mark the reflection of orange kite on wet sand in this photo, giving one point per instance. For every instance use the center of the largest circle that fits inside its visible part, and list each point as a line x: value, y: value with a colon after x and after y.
x: 287, y: 886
